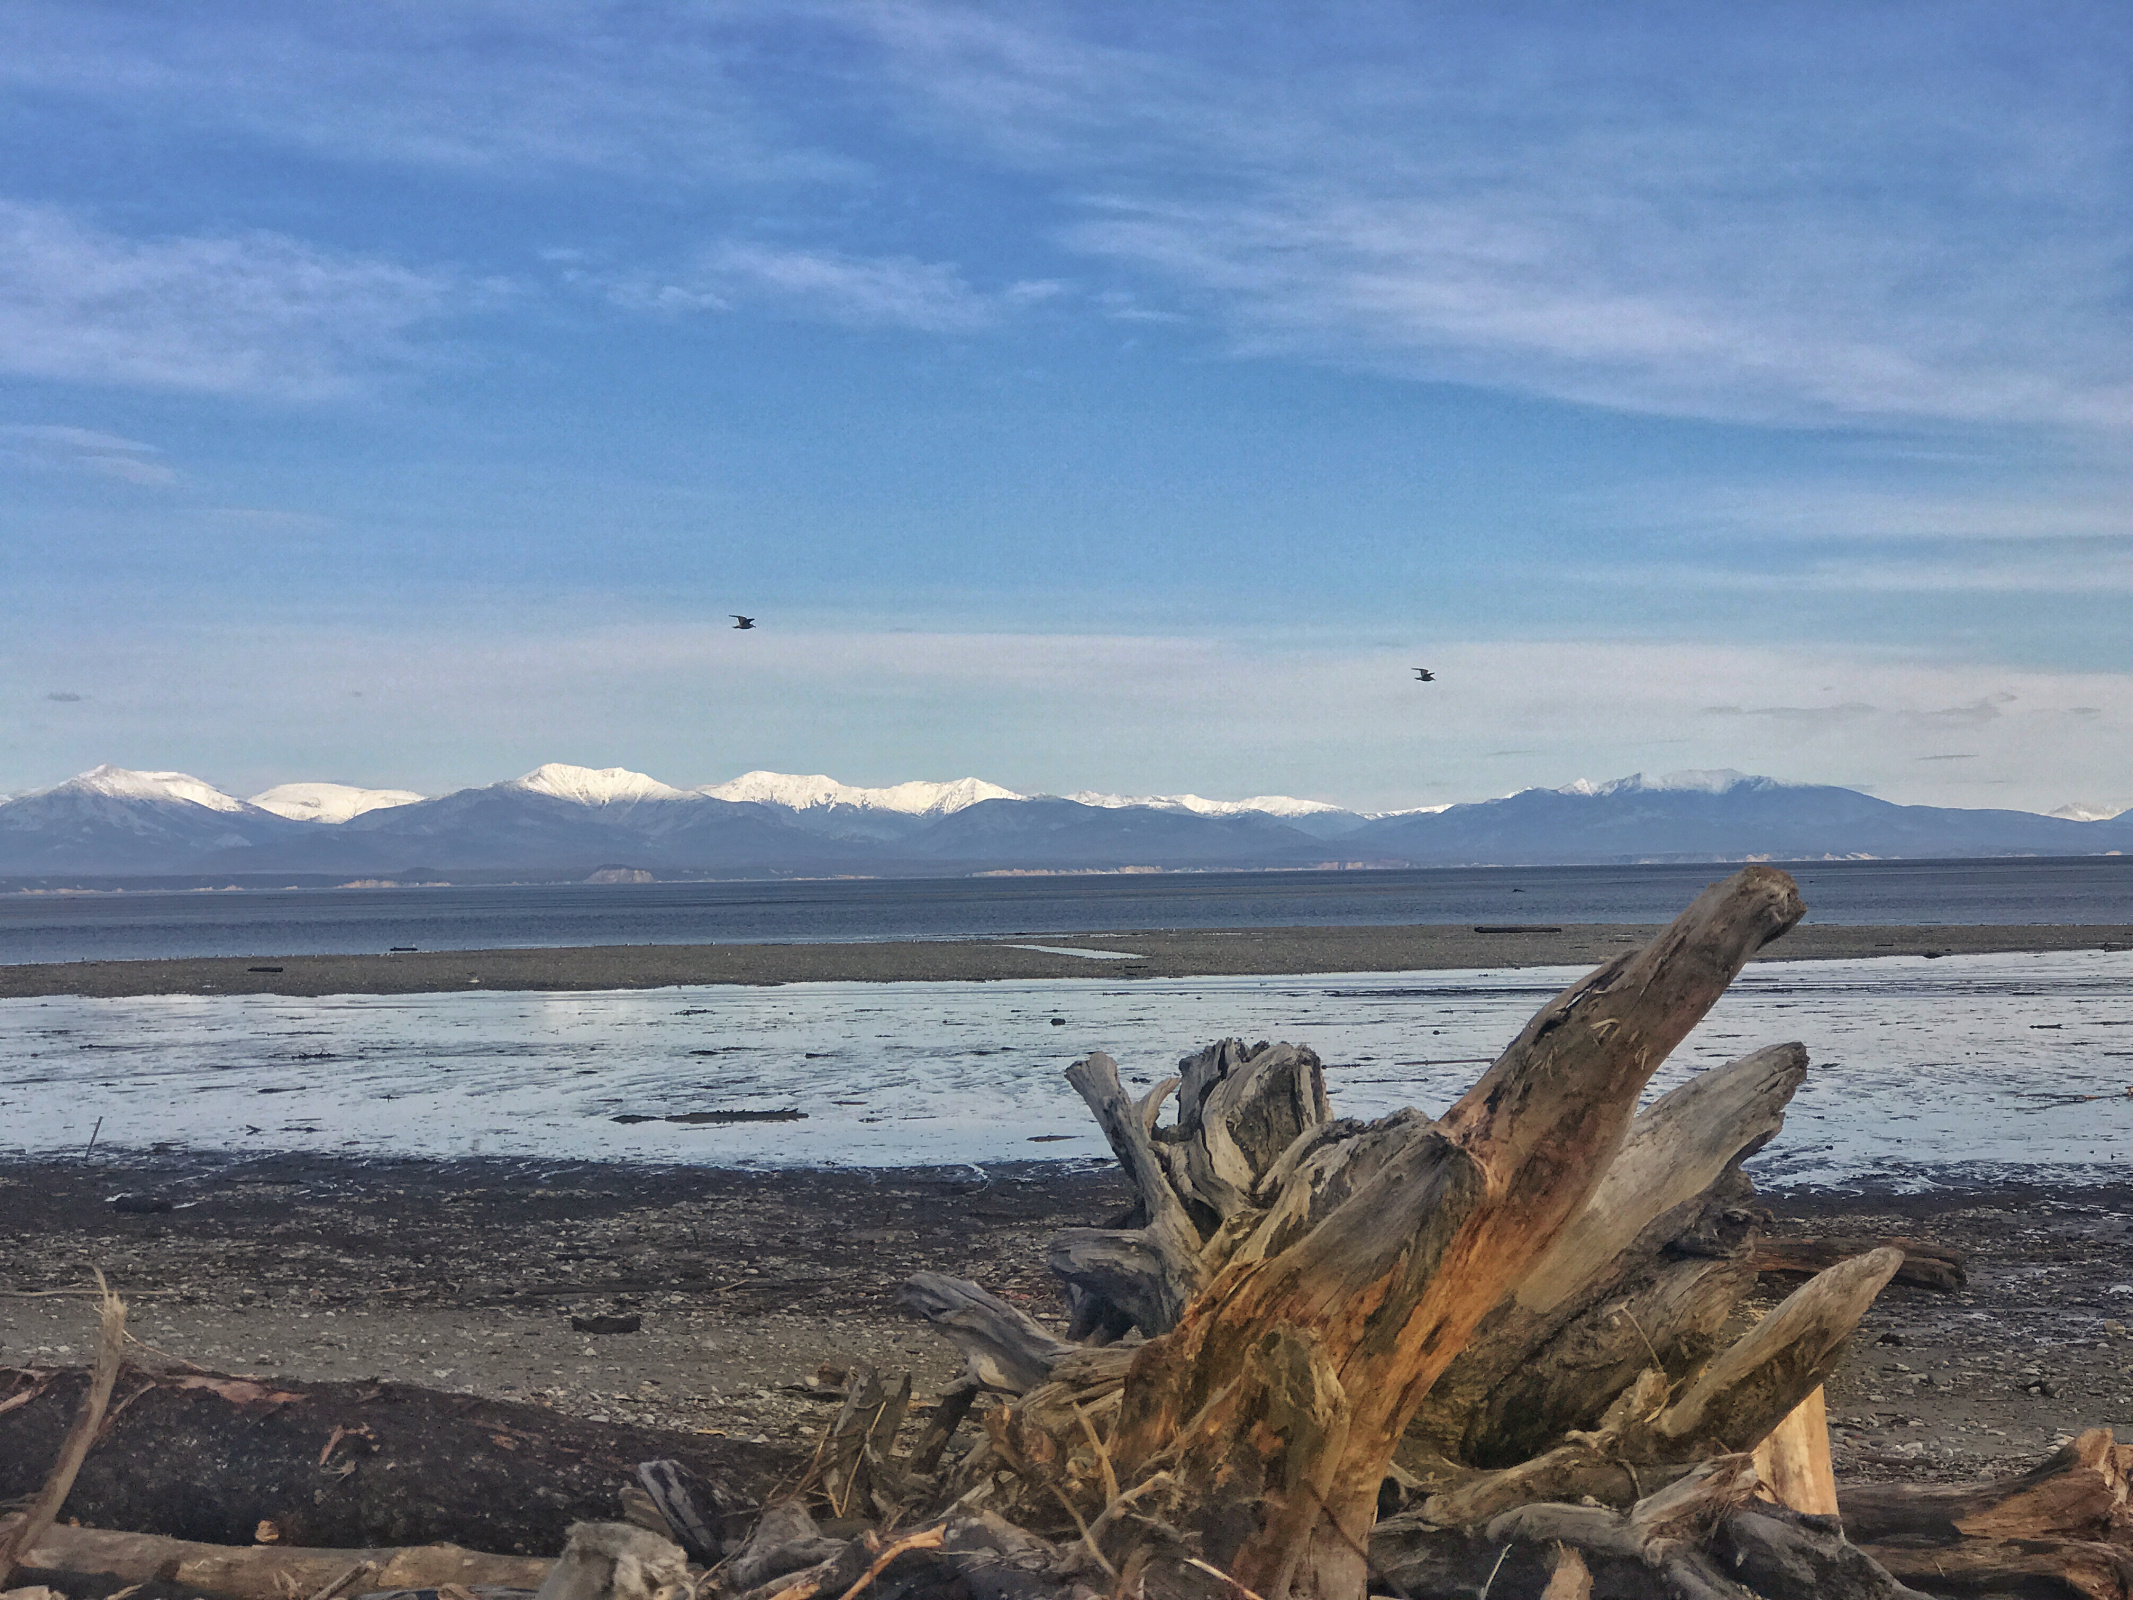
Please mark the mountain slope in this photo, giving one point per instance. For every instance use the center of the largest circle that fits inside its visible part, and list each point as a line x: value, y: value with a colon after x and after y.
x: 111, y: 819
x: 1708, y: 817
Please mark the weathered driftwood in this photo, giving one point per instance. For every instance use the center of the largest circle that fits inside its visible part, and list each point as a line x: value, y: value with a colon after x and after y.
x: 2067, y: 1522
x: 615, y: 1561
x: 65, y: 1463
x: 1733, y: 1404
x: 1272, y: 1409
x: 1004, y: 1348
x: 273, y: 1572
x: 208, y: 1457
x: 1793, y: 1463
x: 1617, y: 1292
x: 1704, y: 1536
x: 1925, y: 1265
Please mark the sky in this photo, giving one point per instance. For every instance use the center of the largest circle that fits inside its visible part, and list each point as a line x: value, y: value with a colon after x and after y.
x: 1092, y: 396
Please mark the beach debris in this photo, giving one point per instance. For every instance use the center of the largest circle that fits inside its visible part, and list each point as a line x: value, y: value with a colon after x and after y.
x: 43, y: 1510
x: 139, y: 1205
x: 1925, y: 1265
x: 617, y: 1561
x: 703, y: 1119
x: 607, y: 1322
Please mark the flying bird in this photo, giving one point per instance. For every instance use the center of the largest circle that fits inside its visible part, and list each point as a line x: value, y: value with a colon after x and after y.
x: 740, y: 621
x: 1424, y: 675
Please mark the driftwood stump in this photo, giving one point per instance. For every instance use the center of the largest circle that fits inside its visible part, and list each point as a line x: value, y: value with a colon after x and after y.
x: 1517, y: 1304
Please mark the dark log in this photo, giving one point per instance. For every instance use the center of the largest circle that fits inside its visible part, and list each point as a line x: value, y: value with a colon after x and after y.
x: 1703, y: 1537
x: 2015, y: 1569
x: 1925, y: 1265
x: 2079, y: 1491
x: 1274, y: 1405
x: 208, y: 1457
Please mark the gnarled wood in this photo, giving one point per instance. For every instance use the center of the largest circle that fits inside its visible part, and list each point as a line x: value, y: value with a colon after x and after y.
x: 2078, y: 1492
x: 1489, y: 1407
x: 1275, y: 1403
x: 1004, y: 1348
x: 1732, y: 1405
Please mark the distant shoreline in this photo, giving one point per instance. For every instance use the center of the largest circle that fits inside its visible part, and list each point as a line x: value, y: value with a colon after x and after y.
x: 1228, y: 952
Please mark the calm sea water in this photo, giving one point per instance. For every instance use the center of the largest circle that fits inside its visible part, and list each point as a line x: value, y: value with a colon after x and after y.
x: 1958, y: 1070
x: 351, y: 921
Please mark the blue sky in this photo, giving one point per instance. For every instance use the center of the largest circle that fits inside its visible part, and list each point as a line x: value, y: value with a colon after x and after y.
x: 1089, y: 396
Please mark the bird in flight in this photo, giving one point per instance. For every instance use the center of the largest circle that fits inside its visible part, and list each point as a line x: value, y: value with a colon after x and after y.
x: 1424, y: 675
x: 740, y: 621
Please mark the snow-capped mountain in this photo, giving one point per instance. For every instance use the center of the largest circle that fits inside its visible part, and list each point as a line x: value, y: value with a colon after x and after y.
x: 1715, y: 780
x: 1315, y: 818
x: 118, y: 783
x: 595, y: 786
x: 329, y: 802
x: 1711, y: 816
x: 812, y: 792
x: 2089, y: 812
x: 112, y: 819
x: 562, y: 821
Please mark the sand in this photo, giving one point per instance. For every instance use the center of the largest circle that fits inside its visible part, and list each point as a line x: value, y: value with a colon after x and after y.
x: 1169, y: 954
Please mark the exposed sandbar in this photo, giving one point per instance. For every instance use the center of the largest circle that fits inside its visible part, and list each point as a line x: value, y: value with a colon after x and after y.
x: 1163, y: 954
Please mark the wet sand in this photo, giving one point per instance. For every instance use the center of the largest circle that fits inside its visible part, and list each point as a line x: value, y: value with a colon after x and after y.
x: 1163, y: 954
x: 463, y: 1276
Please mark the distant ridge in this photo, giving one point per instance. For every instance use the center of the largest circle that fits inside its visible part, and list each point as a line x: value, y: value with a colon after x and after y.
x: 561, y: 822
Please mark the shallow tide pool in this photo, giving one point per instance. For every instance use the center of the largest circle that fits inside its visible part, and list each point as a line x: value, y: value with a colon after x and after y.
x: 1968, y: 1067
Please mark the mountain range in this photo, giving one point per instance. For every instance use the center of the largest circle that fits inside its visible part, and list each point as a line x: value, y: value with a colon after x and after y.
x: 563, y: 822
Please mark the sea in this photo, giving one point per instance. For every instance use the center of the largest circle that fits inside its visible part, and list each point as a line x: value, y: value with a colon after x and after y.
x: 1926, y: 1073
x: 309, y: 921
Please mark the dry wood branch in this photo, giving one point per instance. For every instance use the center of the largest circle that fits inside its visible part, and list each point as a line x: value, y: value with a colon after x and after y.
x: 1004, y: 1348
x: 110, y: 1356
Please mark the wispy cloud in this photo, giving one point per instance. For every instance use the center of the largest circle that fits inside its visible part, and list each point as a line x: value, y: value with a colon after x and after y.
x: 74, y: 449
x: 859, y: 291
x: 485, y: 88
x: 1769, y: 223
x: 254, y: 313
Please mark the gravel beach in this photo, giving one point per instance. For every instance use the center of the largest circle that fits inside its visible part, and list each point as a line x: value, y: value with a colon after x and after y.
x: 464, y: 1276
x: 1169, y: 954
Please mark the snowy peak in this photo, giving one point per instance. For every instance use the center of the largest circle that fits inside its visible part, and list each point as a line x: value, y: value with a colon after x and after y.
x: 1271, y: 805
x: 2082, y: 811
x: 328, y: 802
x: 1716, y: 780
x: 595, y: 786
x: 119, y: 783
x: 797, y: 792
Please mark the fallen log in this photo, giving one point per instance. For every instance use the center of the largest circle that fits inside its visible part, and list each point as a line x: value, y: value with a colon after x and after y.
x: 273, y: 1572
x: 209, y: 1456
x: 1925, y: 1265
